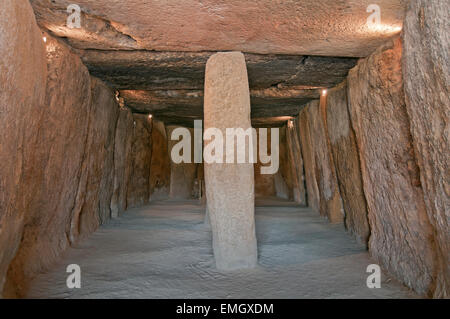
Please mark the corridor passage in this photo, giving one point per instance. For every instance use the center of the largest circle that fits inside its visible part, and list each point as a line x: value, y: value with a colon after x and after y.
x: 164, y: 251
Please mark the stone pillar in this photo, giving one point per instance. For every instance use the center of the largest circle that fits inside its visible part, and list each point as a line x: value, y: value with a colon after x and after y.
x: 229, y: 186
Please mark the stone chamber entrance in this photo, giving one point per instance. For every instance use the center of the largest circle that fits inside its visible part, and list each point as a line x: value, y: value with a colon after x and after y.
x: 99, y: 99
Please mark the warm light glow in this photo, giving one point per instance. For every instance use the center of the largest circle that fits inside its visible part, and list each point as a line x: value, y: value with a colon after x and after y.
x: 150, y: 116
x: 290, y: 124
x: 382, y: 29
x: 45, y: 39
x: 324, y: 92
x: 385, y: 28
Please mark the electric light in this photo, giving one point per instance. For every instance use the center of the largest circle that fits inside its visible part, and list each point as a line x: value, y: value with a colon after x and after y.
x: 290, y: 124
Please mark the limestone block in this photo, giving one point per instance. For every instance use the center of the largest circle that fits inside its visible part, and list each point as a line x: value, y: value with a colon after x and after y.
x: 230, y: 186
x: 346, y: 161
x: 182, y: 175
x: 160, y: 165
x: 141, y: 153
x: 426, y: 72
x: 122, y: 161
x: 22, y: 92
x: 401, y: 234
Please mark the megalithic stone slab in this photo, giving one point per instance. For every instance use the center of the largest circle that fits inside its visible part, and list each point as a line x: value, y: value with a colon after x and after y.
x: 230, y: 186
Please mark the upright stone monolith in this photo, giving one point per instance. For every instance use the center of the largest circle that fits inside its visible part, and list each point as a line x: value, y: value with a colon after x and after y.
x: 229, y: 186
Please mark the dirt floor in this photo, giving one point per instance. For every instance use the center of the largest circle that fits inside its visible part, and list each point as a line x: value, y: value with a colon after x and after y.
x: 164, y: 251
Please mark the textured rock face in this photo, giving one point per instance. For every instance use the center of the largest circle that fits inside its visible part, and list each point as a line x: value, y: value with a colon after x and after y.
x: 296, y: 163
x: 182, y: 175
x: 284, y: 179
x: 230, y: 187
x: 401, y: 234
x: 346, y: 161
x: 73, y: 172
x: 170, y: 84
x: 98, y: 166
x: 63, y: 121
x: 160, y: 165
x: 329, y: 200
x: 22, y: 94
x: 312, y: 188
x: 264, y: 183
x: 267, y: 185
x: 168, y: 70
x: 427, y: 76
x: 141, y: 154
x: 122, y: 161
x: 321, y: 27
x: 92, y: 207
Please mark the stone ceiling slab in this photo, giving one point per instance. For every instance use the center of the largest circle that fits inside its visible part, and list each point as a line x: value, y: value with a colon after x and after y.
x: 146, y: 70
x: 184, y: 106
x: 303, y: 27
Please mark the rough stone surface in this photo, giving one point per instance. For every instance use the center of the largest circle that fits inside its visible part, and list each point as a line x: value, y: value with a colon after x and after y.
x: 427, y: 86
x: 284, y: 178
x: 170, y: 84
x: 296, y: 162
x: 59, y: 149
x: 95, y: 191
x: 122, y: 161
x: 264, y: 183
x: 149, y: 70
x: 320, y: 27
x: 71, y: 165
x: 282, y: 189
x: 401, y: 234
x: 182, y: 175
x: 22, y: 95
x: 312, y: 189
x: 160, y: 165
x: 328, y: 196
x: 182, y: 107
x: 346, y: 161
x: 230, y: 186
x: 141, y: 153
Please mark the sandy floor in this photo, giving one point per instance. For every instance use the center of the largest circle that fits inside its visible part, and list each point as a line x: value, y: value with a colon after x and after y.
x: 164, y: 251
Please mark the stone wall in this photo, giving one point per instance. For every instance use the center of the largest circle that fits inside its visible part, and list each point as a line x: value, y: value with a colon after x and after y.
x: 160, y: 163
x: 321, y: 181
x: 284, y: 179
x: 387, y: 143
x: 122, y: 161
x: 182, y: 175
x: 22, y: 95
x: 295, y: 158
x: 65, y: 157
x: 312, y: 188
x: 97, y: 172
x: 138, y: 192
x: 346, y: 160
x: 426, y: 71
x: 271, y: 185
x: 70, y: 163
x: 401, y: 235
